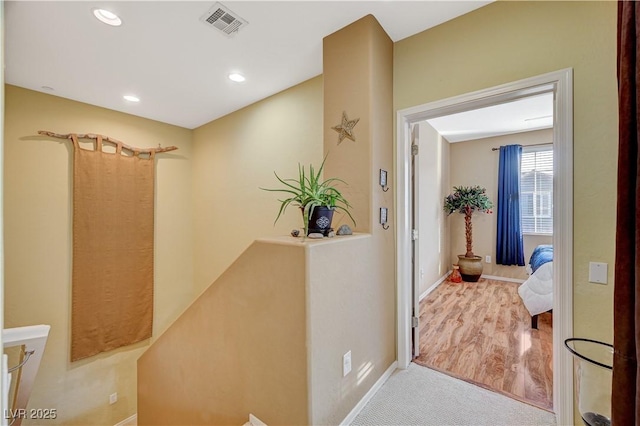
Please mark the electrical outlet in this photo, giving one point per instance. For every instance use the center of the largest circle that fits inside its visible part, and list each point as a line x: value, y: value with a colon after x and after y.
x: 487, y: 259
x: 113, y: 398
x: 346, y: 363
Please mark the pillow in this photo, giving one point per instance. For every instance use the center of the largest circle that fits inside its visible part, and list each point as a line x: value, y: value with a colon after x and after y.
x: 541, y: 255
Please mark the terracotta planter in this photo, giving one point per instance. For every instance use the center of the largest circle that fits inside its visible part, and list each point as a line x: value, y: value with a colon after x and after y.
x: 470, y: 268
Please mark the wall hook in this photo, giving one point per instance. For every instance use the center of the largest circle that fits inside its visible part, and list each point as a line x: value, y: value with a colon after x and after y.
x: 383, y: 180
x: 384, y: 213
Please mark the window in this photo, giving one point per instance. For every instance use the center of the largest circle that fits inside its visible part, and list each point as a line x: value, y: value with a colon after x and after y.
x: 536, y: 189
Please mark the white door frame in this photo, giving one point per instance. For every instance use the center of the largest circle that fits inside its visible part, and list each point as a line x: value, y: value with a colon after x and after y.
x: 4, y: 377
x: 561, y: 84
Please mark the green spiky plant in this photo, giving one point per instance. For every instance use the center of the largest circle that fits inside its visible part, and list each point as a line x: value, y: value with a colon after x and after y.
x: 309, y: 191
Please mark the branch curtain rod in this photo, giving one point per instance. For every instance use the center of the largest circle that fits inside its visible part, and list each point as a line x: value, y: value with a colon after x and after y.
x: 109, y: 140
x: 533, y: 144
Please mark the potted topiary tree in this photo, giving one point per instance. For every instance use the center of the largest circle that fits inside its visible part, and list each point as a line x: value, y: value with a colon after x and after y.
x: 467, y: 200
x: 316, y: 198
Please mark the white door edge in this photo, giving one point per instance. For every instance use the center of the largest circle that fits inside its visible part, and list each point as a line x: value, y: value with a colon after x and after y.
x: 561, y: 83
x: 416, y: 264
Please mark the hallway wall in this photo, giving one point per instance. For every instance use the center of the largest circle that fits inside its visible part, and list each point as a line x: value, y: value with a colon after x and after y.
x: 236, y: 155
x: 37, y: 215
x: 509, y: 41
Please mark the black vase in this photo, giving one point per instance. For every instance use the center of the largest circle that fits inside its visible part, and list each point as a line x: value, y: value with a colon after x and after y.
x: 320, y: 221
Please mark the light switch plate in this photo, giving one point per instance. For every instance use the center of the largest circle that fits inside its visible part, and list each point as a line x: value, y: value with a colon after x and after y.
x: 346, y: 364
x: 598, y: 272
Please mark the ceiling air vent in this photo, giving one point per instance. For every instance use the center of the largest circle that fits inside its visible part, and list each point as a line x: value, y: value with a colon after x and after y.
x: 223, y: 19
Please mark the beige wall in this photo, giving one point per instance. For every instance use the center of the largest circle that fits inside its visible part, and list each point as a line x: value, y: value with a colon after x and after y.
x: 233, y: 157
x: 268, y: 336
x: 37, y: 215
x: 348, y: 311
x: 474, y: 163
x: 358, y: 80
x: 432, y: 186
x: 508, y: 41
x: 240, y: 348
x: 347, y: 74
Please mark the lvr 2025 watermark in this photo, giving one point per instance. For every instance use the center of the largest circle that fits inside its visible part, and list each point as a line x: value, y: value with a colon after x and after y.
x: 32, y: 413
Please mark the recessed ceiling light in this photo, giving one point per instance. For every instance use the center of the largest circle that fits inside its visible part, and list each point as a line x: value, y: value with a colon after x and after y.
x: 131, y: 98
x: 107, y: 17
x: 239, y: 78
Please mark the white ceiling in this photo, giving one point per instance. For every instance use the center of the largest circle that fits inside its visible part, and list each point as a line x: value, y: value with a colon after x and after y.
x: 523, y: 115
x: 176, y: 64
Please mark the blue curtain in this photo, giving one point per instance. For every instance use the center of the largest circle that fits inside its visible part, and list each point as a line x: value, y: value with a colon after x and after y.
x: 509, y: 250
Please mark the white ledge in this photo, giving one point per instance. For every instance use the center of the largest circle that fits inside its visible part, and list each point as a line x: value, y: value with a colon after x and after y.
x: 21, y: 335
x: 306, y: 241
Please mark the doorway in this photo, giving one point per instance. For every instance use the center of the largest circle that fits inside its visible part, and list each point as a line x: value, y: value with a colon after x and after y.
x: 560, y: 84
x: 482, y: 332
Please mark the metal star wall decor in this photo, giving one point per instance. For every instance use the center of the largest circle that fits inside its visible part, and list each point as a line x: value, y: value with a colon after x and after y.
x: 345, y: 129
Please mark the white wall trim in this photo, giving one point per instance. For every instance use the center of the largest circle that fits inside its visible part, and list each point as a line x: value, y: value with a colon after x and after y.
x: 510, y: 280
x: 32, y: 338
x: 563, y: 246
x: 434, y: 285
x: 4, y: 384
x: 561, y: 83
x: 254, y: 421
x: 367, y: 397
x: 133, y: 420
x: 129, y: 421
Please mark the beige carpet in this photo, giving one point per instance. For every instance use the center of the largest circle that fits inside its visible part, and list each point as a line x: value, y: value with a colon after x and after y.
x: 421, y: 396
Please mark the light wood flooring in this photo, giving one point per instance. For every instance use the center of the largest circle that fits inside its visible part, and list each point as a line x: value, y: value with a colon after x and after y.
x: 481, y: 332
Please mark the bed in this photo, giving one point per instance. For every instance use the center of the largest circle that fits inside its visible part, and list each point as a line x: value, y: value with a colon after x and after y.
x: 537, y: 291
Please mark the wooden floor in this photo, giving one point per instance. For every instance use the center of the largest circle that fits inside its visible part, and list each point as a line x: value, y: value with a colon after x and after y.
x: 481, y: 332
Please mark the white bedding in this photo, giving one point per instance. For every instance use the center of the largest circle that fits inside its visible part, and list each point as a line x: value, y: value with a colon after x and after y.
x: 537, y: 291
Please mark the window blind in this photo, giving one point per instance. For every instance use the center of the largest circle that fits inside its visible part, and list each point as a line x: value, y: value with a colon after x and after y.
x: 536, y: 190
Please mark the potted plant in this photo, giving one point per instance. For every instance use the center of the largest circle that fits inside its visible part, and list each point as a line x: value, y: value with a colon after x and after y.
x: 317, y: 199
x: 467, y: 200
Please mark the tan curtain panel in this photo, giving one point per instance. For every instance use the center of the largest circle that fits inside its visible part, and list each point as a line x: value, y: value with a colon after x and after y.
x: 113, y: 217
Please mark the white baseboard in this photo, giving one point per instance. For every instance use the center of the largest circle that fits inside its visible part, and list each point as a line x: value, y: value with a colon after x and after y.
x: 254, y: 421
x: 434, y: 286
x: 129, y: 421
x: 511, y: 280
x: 133, y: 420
x: 367, y: 397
